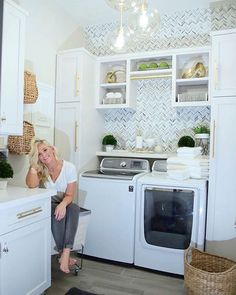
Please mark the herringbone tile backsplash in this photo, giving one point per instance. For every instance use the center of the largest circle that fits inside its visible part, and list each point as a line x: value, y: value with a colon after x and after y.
x: 154, y: 116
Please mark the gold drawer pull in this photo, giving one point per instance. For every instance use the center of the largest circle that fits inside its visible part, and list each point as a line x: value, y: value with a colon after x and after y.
x: 29, y: 212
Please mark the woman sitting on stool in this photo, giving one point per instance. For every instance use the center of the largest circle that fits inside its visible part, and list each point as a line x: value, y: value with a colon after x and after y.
x: 48, y: 171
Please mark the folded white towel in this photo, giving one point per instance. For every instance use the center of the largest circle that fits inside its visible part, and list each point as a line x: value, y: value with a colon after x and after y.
x: 189, y: 150
x: 188, y: 155
x: 110, y: 95
x: 117, y: 95
x: 198, y: 161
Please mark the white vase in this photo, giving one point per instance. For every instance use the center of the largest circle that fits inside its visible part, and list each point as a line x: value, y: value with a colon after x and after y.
x: 3, y: 183
x: 109, y: 148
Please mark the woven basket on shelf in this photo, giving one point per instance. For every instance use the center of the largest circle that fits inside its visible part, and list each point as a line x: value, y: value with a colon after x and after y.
x: 30, y: 88
x: 207, y: 274
x: 21, y: 144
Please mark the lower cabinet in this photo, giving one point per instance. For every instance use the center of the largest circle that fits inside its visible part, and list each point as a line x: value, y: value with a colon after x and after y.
x: 25, y: 240
x: 221, y: 223
x: 25, y: 266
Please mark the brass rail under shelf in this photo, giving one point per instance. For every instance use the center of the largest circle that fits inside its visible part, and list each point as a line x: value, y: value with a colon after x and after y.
x: 149, y: 77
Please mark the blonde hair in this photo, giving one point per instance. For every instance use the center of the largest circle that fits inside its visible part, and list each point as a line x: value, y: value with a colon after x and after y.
x: 34, y: 161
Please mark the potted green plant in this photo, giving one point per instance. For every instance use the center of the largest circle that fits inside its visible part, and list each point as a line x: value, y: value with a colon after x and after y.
x: 202, y: 134
x: 186, y: 141
x: 202, y: 129
x: 109, y: 141
x: 6, y: 172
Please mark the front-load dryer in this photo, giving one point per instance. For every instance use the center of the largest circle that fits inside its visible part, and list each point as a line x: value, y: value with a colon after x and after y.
x: 170, y: 216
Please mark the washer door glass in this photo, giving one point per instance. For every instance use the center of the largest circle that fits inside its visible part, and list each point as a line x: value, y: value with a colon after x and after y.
x: 168, y: 217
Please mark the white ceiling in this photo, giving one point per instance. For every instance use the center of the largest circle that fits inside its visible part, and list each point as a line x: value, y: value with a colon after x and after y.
x: 88, y: 12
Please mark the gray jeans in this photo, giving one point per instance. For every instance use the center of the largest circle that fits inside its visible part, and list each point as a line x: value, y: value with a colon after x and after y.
x: 64, y: 231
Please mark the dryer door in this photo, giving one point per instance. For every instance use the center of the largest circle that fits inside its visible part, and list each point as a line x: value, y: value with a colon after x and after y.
x: 168, y: 220
x: 168, y: 217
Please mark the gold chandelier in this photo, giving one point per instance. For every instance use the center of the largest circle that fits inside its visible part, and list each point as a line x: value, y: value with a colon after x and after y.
x: 142, y: 23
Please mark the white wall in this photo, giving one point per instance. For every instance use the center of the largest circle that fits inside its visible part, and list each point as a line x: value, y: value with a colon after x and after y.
x: 48, y: 29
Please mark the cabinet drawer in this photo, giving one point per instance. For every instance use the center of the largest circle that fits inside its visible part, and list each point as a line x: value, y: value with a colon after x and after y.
x: 24, y: 215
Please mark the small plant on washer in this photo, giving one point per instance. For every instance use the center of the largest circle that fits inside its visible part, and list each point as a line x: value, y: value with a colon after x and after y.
x: 6, y: 170
x: 201, y: 129
x: 109, y: 140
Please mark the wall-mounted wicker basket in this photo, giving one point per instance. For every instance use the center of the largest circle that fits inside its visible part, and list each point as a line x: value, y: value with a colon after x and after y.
x: 30, y: 88
x: 21, y: 144
x: 207, y: 274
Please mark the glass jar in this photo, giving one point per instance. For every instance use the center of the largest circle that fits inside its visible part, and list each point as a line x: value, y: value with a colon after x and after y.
x: 202, y: 140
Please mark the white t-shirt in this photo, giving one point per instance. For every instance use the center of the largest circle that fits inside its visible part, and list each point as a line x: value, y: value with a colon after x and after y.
x: 67, y: 175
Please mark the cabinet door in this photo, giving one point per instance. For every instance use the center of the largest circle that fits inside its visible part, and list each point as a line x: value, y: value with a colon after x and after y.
x: 68, y: 77
x: 222, y: 198
x: 67, y: 131
x: 25, y: 261
x: 223, y: 63
x: 12, y: 74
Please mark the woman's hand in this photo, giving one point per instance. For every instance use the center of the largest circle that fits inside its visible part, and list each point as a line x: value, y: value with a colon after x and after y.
x: 60, y: 211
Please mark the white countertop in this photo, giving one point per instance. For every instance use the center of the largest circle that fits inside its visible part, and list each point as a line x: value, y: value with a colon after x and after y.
x: 20, y: 195
x: 133, y: 154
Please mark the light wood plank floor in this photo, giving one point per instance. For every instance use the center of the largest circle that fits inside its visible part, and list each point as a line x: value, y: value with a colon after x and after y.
x: 109, y: 279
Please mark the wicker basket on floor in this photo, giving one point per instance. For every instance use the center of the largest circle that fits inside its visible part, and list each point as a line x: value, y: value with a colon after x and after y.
x: 21, y: 144
x: 30, y: 88
x: 207, y: 274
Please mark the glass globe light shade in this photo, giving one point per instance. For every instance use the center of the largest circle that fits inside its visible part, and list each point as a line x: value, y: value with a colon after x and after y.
x: 126, y: 4
x: 143, y: 23
x: 119, y: 39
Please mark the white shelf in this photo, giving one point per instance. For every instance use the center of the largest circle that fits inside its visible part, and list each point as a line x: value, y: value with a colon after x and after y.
x: 112, y: 106
x: 159, y: 73
x: 131, y: 154
x: 112, y: 85
x: 193, y: 81
x: 191, y: 103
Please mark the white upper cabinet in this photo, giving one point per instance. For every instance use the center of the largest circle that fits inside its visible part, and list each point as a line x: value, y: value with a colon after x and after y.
x: 68, y: 82
x: 223, y: 63
x: 12, y: 72
x: 221, y: 224
x: 190, y: 84
x: 78, y: 124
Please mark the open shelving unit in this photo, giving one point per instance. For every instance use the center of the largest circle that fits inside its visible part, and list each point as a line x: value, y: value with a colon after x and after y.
x: 193, y: 91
